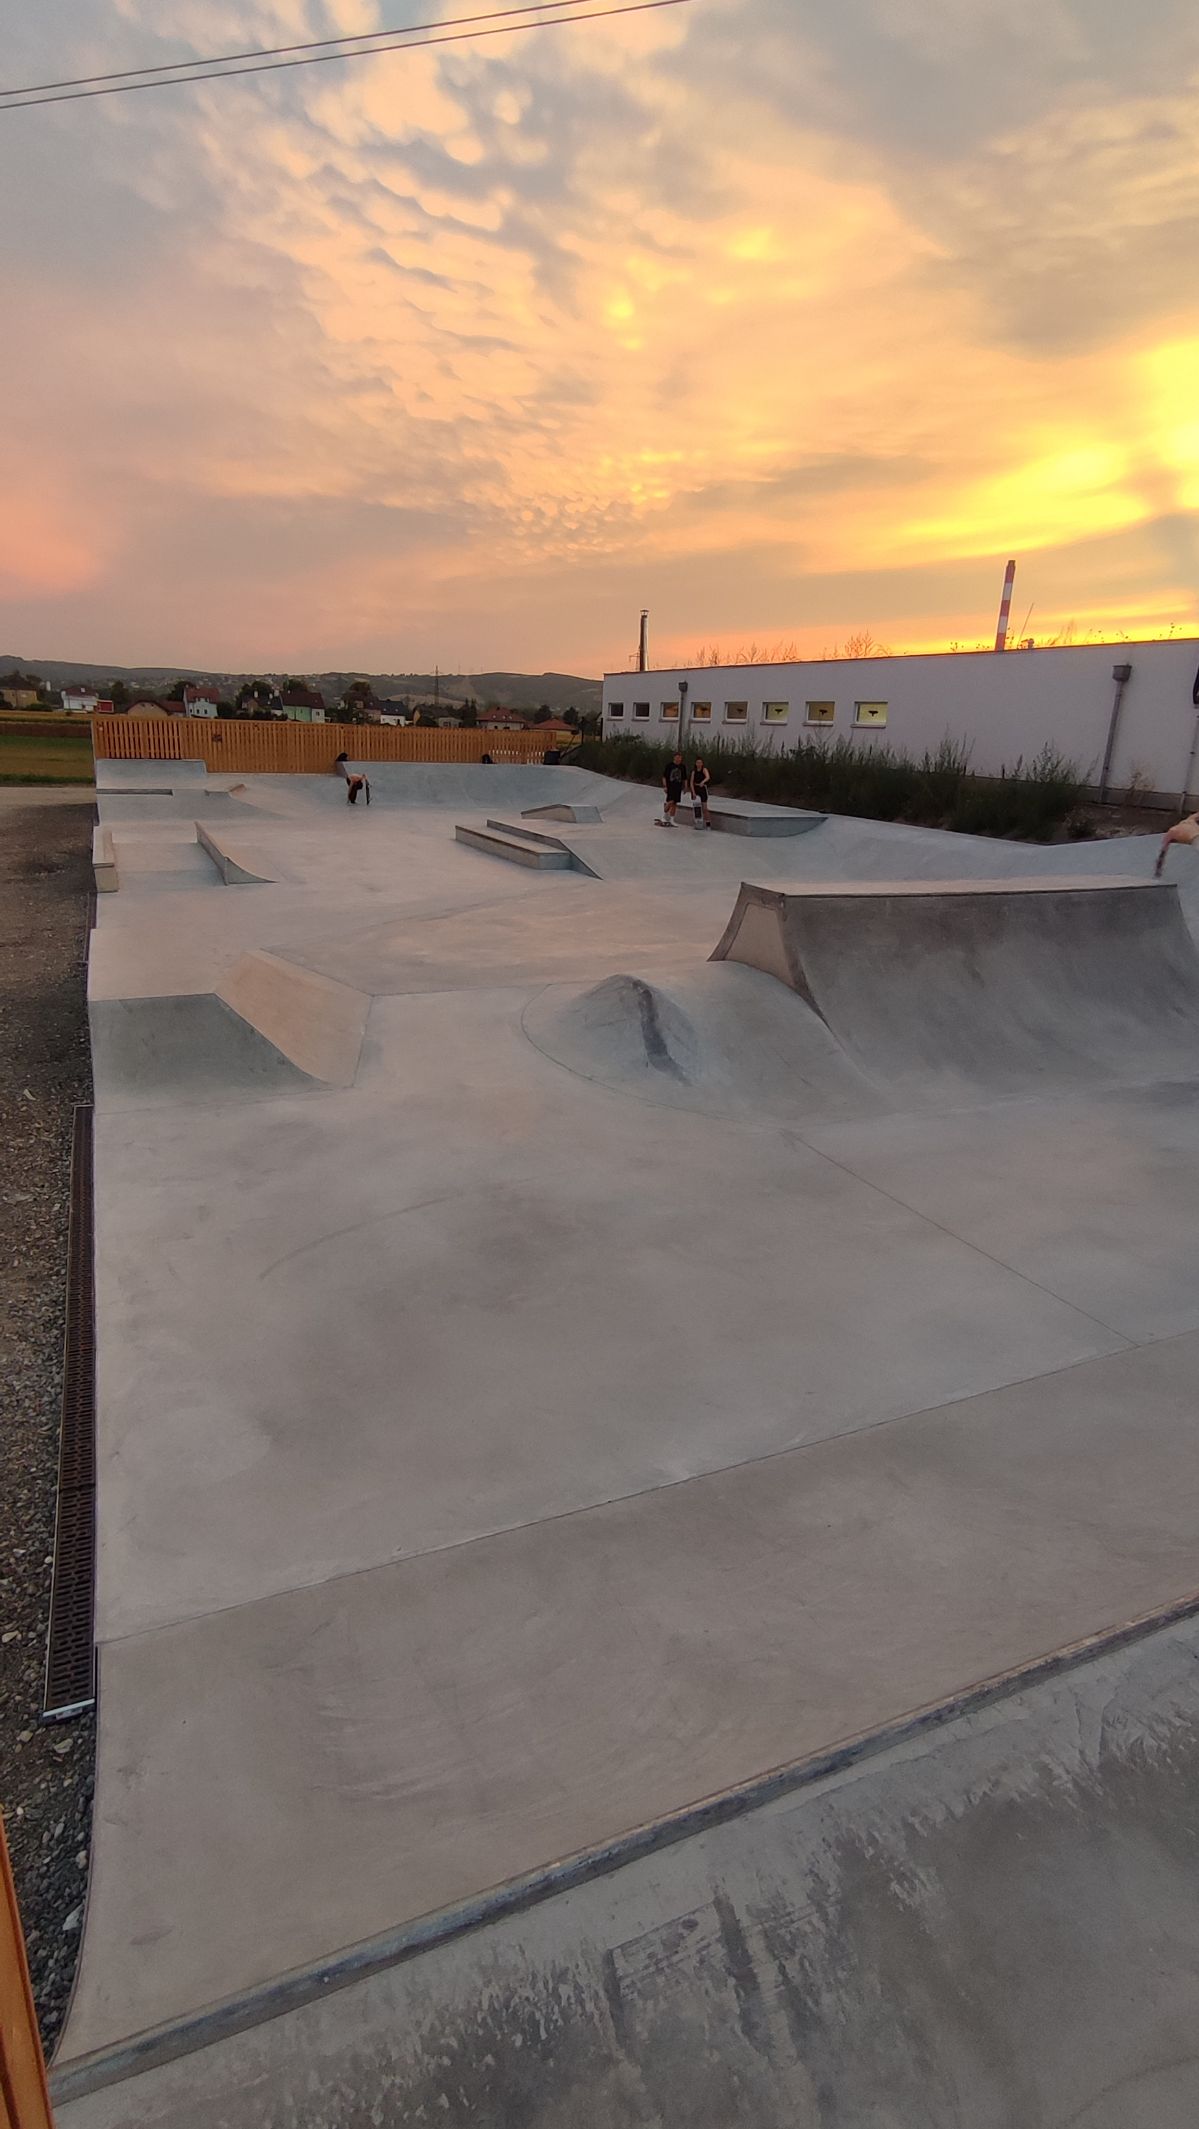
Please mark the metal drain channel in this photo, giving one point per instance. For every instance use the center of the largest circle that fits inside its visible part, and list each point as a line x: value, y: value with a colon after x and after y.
x: 70, y: 1649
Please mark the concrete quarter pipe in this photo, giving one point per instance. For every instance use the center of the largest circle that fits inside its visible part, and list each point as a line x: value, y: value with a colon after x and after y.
x: 985, y: 985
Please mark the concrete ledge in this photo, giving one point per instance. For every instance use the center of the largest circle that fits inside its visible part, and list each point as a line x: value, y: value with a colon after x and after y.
x: 561, y: 813
x: 551, y: 842
x: 314, y: 1021
x: 736, y: 816
x: 536, y: 854
x: 234, y: 872
x: 104, y: 863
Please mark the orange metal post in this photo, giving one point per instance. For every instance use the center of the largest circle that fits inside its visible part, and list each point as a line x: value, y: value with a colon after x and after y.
x: 23, y: 2095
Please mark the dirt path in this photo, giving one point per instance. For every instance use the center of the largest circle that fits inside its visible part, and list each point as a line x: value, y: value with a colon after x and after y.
x: 45, y: 1771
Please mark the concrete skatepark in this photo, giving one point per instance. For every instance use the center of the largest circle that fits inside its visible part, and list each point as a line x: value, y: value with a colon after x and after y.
x: 648, y: 1494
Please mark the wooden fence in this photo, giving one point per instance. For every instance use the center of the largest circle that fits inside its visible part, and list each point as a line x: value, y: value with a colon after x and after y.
x: 241, y: 746
x: 24, y: 2101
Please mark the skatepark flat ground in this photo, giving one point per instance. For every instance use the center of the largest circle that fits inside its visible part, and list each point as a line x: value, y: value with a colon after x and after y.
x: 524, y: 1439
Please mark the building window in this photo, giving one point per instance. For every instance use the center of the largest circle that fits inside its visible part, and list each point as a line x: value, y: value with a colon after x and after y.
x: 616, y: 709
x: 819, y: 712
x: 701, y: 713
x: 670, y: 712
x: 641, y: 709
x: 775, y: 712
x: 736, y: 712
x: 870, y: 713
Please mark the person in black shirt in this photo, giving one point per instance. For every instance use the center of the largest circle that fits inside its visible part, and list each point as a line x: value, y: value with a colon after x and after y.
x: 700, y: 779
x: 674, y: 782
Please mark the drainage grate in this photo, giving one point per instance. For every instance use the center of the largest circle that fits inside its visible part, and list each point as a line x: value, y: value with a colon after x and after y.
x: 70, y: 1651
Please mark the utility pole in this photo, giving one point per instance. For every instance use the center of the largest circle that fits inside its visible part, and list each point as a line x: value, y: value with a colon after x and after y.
x: 643, y: 649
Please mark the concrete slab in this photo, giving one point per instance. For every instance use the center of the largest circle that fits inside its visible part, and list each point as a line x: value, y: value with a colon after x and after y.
x: 990, y: 1920
x: 378, y: 1746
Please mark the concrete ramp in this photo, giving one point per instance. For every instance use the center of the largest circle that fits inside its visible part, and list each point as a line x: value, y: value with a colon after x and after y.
x: 314, y: 1021
x: 937, y: 989
x: 147, y: 1051
x: 236, y: 868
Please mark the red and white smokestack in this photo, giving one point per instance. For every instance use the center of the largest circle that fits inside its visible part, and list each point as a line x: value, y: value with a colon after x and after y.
x: 643, y: 651
x: 1005, y: 607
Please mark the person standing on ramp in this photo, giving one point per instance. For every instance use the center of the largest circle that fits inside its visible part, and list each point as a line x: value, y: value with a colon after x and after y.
x: 700, y: 780
x: 674, y: 781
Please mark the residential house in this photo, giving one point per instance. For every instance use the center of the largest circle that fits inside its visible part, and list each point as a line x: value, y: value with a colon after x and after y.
x: 201, y: 699
x: 304, y: 705
x: 85, y: 702
x: 20, y: 690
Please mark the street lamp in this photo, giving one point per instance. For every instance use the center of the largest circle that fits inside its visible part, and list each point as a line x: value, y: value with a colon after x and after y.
x: 682, y: 716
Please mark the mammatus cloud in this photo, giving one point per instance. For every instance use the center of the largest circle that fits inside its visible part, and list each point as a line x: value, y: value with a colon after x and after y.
x: 715, y: 311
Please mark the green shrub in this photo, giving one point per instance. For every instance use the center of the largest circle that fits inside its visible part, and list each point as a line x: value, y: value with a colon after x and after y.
x: 866, y: 780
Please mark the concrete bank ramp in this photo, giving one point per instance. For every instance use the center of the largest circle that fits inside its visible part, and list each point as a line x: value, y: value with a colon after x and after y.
x: 983, y: 1917
x: 995, y: 986
x: 718, y: 1040
x: 193, y: 1048
x: 314, y: 1021
x: 236, y: 866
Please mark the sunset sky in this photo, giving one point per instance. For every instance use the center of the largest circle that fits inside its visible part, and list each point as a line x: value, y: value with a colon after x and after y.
x: 781, y: 319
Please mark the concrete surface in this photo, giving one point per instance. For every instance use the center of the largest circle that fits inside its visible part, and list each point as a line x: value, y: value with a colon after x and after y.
x: 992, y: 1924
x: 593, y: 1388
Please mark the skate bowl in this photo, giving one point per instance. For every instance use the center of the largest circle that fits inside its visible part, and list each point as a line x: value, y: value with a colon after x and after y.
x: 985, y: 986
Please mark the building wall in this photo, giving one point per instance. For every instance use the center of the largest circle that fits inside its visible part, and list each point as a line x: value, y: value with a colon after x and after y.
x: 1003, y: 706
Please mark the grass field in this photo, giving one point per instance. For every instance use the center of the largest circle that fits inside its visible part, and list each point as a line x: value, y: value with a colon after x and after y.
x: 46, y: 757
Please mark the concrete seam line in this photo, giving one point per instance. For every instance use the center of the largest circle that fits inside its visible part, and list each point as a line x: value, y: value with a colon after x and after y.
x: 163, y: 2044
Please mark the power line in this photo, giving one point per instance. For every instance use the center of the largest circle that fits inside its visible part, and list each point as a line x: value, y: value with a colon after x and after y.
x: 29, y: 99
x: 277, y: 51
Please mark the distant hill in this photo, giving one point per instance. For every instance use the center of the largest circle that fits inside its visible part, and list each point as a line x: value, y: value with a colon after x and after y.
x: 510, y: 691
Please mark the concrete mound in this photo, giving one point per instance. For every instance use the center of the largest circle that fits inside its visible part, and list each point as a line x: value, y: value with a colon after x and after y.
x: 985, y: 986
x: 195, y: 1047
x: 718, y: 1040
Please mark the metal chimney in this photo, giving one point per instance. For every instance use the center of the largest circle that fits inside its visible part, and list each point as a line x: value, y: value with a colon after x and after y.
x: 1005, y: 608
x: 643, y: 652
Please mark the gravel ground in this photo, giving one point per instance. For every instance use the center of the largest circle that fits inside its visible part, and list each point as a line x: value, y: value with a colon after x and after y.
x: 45, y: 1769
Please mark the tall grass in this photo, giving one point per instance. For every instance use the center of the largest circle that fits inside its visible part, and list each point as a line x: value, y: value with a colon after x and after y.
x: 871, y: 781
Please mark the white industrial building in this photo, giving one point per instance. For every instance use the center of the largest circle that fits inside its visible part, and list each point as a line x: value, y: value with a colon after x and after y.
x: 1124, y: 713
